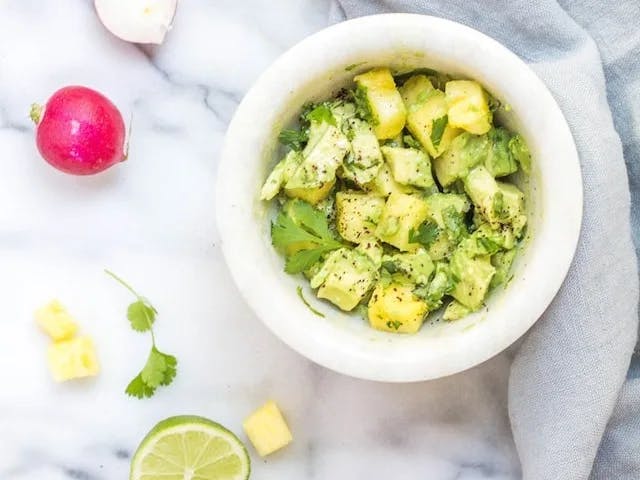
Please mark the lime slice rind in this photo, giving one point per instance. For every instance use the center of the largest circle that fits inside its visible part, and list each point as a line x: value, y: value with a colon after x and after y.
x: 190, y: 447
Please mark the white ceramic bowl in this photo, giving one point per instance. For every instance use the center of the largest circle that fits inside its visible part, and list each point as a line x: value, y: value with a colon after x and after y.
x: 313, y: 70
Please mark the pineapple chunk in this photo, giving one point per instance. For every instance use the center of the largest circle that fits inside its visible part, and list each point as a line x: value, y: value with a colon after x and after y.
x: 311, y: 195
x: 56, y: 322
x: 267, y: 429
x: 429, y: 108
x: 75, y: 358
x: 468, y: 106
x: 377, y: 90
x: 396, y: 309
x: 357, y: 215
x: 400, y: 215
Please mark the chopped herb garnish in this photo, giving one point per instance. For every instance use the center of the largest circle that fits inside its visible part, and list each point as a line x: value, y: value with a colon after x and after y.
x: 306, y: 302
x: 395, y: 324
x: 425, y: 235
x: 294, y: 139
x: 437, y: 130
x: 411, y: 142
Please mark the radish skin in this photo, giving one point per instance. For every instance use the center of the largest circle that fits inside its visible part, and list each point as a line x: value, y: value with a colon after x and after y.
x: 79, y: 131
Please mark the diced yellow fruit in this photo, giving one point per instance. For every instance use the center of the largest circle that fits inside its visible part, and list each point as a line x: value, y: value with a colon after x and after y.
x: 401, y: 214
x: 267, y: 429
x: 75, y: 358
x: 384, y: 100
x: 311, y: 195
x: 357, y: 215
x: 415, y: 90
x: 55, y: 321
x: 395, y: 308
x: 468, y: 106
x: 420, y: 120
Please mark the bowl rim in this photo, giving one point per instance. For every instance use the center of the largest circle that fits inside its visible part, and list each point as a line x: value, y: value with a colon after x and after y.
x: 338, y: 358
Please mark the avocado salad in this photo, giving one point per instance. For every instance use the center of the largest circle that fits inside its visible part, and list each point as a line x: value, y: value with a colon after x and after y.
x: 394, y: 198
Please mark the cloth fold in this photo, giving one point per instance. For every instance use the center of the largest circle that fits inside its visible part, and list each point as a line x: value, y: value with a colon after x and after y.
x: 574, y: 398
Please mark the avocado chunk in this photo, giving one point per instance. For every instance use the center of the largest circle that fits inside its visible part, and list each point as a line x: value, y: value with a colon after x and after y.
x: 373, y: 250
x: 395, y: 308
x: 415, y: 268
x: 473, y: 277
x: 409, y: 166
x: 427, y: 118
x: 502, y: 261
x: 444, y: 226
x: 455, y: 311
x: 280, y: 175
x: 376, y: 93
x: 468, y: 106
x: 357, y: 215
x: 321, y: 158
x: 365, y: 159
x: 384, y: 184
x: 438, y: 203
x: 500, y: 161
x: 441, y: 284
x: 345, y: 278
x: 465, y: 152
x: 498, y: 203
x: 401, y: 214
x: 487, y: 241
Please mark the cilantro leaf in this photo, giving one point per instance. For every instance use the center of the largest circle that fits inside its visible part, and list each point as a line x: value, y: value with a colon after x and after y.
x: 425, y: 235
x: 303, y: 259
x: 304, y: 229
x: 312, y: 219
x: 363, y: 109
x: 160, y: 368
x: 294, y: 139
x: 487, y: 245
x: 153, y: 372
x: 171, y: 370
x: 520, y: 151
x: 284, y: 231
x: 437, y: 130
x: 141, y: 315
x: 319, y: 113
x: 137, y: 388
x: 454, y: 223
x: 390, y: 267
x: 395, y: 324
x: 411, y: 142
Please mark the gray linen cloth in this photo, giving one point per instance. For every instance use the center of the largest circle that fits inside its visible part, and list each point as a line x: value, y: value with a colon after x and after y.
x: 574, y: 390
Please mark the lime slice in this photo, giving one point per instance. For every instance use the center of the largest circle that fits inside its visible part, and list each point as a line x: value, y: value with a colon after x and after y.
x: 190, y: 448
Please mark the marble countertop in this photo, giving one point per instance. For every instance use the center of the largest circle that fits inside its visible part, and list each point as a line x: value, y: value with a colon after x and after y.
x: 152, y: 221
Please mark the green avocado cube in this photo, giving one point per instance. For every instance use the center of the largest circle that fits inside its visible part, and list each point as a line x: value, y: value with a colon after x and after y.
x: 409, y: 166
x: 345, y: 278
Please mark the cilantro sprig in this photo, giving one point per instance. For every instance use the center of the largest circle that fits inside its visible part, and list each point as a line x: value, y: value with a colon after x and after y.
x: 160, y: 368
x: 302, y: 231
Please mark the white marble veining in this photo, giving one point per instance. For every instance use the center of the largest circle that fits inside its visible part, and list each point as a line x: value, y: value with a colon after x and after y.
x: 151, y: 220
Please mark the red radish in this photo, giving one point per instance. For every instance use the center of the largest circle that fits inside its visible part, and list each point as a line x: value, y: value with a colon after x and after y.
x: 79, y: 131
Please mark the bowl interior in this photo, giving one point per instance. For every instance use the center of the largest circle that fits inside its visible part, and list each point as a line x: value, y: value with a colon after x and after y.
x: 316, y: 69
